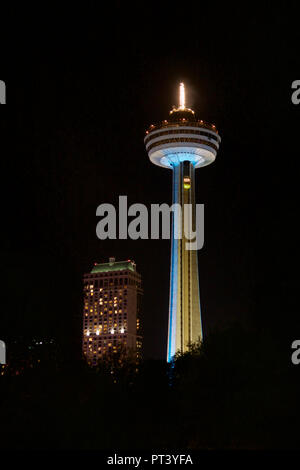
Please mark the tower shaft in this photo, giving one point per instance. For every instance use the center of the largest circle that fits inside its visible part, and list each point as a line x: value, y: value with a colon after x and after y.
x: 184, y: 308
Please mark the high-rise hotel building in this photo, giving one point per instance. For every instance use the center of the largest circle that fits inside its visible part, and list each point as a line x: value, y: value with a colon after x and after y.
x: 111, y: 314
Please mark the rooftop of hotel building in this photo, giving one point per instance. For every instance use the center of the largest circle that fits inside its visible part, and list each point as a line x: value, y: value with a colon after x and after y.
x: 113, y: 265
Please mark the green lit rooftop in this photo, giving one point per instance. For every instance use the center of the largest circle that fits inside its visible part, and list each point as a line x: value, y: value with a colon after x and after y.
x: 113, y: 265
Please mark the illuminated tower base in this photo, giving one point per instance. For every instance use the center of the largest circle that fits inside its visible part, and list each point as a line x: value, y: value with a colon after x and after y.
x: 183, y: 144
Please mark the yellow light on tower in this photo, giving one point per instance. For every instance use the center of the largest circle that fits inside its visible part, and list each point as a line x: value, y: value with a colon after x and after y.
x: 186, y: 182
x: 181, y: 96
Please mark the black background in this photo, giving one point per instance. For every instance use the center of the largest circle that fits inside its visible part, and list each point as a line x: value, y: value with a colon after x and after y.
x: 84, y: 81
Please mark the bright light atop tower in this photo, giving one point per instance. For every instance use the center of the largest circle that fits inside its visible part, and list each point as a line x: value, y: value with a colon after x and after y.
x: 181, y: 96
x: 181, y: 106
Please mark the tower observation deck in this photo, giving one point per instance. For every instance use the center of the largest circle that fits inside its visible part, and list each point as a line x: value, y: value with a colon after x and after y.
x: 183, y: 143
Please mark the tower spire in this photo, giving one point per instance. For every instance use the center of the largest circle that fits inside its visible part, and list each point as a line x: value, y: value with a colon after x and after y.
x: 181, y: 107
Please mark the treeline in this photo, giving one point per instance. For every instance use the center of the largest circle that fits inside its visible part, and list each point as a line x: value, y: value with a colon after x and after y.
x: 237, y: 390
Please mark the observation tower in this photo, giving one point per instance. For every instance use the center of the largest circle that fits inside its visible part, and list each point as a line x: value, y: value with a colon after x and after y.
x: 183, y: 143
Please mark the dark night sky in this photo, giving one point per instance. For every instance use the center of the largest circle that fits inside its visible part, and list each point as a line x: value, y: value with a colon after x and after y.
x: 83, y: 84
